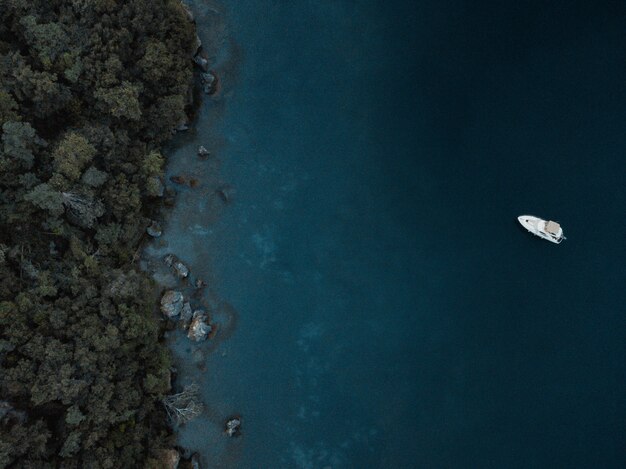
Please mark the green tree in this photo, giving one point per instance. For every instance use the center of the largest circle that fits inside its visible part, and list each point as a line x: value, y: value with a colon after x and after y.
x: 19, y: 140
x: 121, y: 101
x: 8, y: 106
x: 47, y: 40
x: 46, y: 198
x: 72, y: 155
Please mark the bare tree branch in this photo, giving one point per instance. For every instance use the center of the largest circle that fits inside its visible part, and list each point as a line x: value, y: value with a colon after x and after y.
x: 82, y: 207
x: 184, y: 406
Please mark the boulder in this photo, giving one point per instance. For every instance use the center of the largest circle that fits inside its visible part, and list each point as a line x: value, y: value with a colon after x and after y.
x: 195, y: 461
x: 186, y: 315
x: 172, y: 303
x: 199, y: 328
x: 203, y: 152
x: 201, y: 62
x: 184, y: 125
x: 209, y: 82
x: 180, y: 269
x: 233, y: 426
x: 197, y: 46
x: 170, y: 458
x: 154, y: 229
x: 200, y: 283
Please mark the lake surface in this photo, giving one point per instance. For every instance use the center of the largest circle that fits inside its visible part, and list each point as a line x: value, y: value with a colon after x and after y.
x: 378, y: 304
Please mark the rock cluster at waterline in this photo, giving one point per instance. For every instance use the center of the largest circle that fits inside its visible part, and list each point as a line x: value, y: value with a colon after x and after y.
x: 175, y: 306
x: 209, y: 82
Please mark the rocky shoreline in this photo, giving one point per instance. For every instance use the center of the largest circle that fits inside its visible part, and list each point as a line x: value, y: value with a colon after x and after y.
x: 181, y: 306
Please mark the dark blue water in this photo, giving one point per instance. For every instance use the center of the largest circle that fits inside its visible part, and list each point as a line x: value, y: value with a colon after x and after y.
x: 390, y: 312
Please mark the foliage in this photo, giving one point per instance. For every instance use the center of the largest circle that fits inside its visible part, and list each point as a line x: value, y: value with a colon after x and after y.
x: 89, y: 92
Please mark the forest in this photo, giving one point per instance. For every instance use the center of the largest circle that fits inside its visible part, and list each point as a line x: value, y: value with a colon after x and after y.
x: 90, y: 90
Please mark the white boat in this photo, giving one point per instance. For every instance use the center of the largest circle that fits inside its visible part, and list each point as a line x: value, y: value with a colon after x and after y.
x: 545, y: 229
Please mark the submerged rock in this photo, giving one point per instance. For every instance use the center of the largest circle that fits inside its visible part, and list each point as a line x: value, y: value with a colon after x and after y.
x: 172, y: 303
x: 233, y: 426
x: 199, y: 328
x: 185, y: 180
x: 178, y: 179
x: 200, y: 283
x: 203, y: 152
x: 225, y: 193
x: 154, y: 229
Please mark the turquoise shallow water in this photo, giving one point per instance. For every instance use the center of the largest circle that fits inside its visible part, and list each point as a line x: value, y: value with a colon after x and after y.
x: 380, y: 306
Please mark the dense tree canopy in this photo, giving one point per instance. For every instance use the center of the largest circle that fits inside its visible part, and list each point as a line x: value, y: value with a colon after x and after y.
x: 89, y: 91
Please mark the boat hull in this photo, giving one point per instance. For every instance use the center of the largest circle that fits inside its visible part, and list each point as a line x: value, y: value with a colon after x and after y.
x: 537, y: 226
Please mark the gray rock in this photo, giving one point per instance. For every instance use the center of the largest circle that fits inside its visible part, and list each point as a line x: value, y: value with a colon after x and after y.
x: 197, y: 46
x: 208, y: 77
x: 199, y: 329
x: 225, y: 193
x: 172, y: 303
x: 170, y: 458
x: 203, y: 152
x: 233, y: 426
x: 180, y: 269
x: 195, y: 461
x: 154, y: 229
x: 186, y: 315
x: 201, y: 62
x: 182, y: 126
x: 209, y: 81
